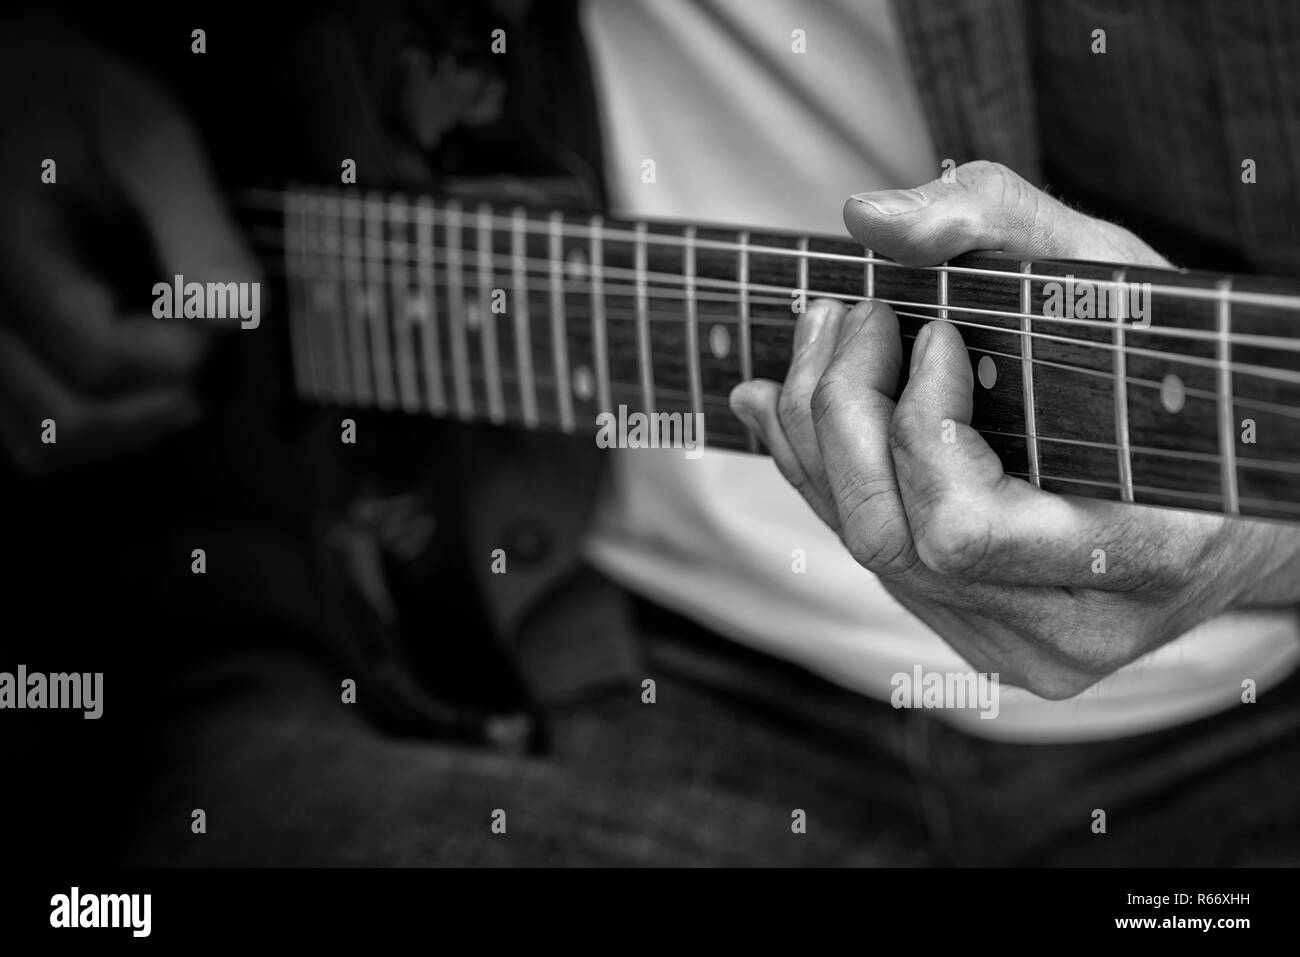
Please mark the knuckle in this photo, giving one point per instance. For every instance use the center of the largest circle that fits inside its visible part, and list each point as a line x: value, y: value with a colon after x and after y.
x: 1010, y: 206
x: 878, y: 538
x: 951, y: 539
x: 988, y: 175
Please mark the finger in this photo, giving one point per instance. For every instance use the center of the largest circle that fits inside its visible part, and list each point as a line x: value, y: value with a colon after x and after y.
x: 815, y: 336
x: 985, y: 206
x: 69, y: 316
x: 755, y: 403
x: 85, y: 430
x: 161, y: 167
x: 970, y: 520
x: 852, y: 408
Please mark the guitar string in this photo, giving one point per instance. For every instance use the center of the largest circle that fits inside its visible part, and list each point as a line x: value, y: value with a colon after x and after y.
x: 1240, y: 368
x: 672, y: 285
x: 469, y: 216
x: 546, y: 381
x: 470, y: 256
x: 616, y: 314
x: 735, y: 440
x: 468, y: 219
x: 474, y: 378
x: 541, y: 349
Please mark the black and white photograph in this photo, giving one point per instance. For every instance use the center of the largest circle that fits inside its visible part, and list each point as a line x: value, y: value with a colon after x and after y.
x: 516, y: 434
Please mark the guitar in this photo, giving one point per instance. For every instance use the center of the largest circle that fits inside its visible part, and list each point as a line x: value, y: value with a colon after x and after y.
x: 1151, y: 386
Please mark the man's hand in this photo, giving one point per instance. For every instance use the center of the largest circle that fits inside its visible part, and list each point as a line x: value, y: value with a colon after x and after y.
x: 1000, y: 569
x: 111, y: 380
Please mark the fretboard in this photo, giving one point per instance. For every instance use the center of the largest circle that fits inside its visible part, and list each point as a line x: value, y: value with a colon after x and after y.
x: 546, y: 320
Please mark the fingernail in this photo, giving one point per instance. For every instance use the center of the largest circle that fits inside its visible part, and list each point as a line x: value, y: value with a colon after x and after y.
x: 918, y: 350
x: 808, y: 327
x: 859, y: 314
x: 891, y: 202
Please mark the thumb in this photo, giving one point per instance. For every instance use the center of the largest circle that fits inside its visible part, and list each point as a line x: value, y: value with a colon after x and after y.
x: 161, y: 166
x: 985, y: 206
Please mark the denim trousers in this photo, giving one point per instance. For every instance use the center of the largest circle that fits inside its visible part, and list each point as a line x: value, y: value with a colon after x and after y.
x: 740, y: 760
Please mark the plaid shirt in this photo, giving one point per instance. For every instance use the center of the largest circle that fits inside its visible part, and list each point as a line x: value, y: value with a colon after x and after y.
x: 1152, y: 133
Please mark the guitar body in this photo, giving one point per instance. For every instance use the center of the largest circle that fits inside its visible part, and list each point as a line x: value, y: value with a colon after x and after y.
x: 393, y: 506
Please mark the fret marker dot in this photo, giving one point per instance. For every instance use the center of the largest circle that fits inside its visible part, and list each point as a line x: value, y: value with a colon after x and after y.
x: 473, y: 315
x: 583, y: 387
x: 575, y: 265
x: 1172, y: 393
x: 719, y: 341
x: 987, y: 371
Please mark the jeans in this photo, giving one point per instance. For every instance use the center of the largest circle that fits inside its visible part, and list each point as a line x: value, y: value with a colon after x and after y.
x: 714, y: 772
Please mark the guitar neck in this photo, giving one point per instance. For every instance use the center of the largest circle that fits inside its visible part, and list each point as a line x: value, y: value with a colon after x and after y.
x: 1142, y: 385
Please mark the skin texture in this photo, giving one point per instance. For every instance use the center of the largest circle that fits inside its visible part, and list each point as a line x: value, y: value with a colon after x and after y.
x: 112, y: 380
x: 998, y: 568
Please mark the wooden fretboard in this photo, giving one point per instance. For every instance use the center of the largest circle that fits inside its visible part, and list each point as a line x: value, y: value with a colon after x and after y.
x: 545, y: 320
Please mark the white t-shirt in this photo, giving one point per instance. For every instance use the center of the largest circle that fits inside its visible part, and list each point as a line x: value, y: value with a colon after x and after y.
x: 743, y: 129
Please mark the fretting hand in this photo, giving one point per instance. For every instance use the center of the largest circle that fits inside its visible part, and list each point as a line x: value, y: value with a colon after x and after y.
x: 1000, y: 569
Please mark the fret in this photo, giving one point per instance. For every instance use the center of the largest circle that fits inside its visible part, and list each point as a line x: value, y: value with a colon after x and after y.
x: 406, y: 307
x: 1074, y: 394
x: 991, y: 328
x: 381, y: 351
x: 1027, y: 371
x: 1226, y: 419
x: 427, y: 319
x: 746, y: 337
x: 943, y: 291
x: 1172, y: 385
x: 1266, y: 450
x: 488, y: 323
x: 458, y: 319
x: 713, y: 335
x: 298, y: 278
x: 692, y: 321
x: 559, y: 340
x: 644, y: 357
x: 1124, y: 450
x: 742, y: 306
x: 599, y: 337
x: 773, y: 273
x: 802, y: 247
x: 358, y: 309
x: 869, y: 275
x: 522, y: 315
x: 328, y: 314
